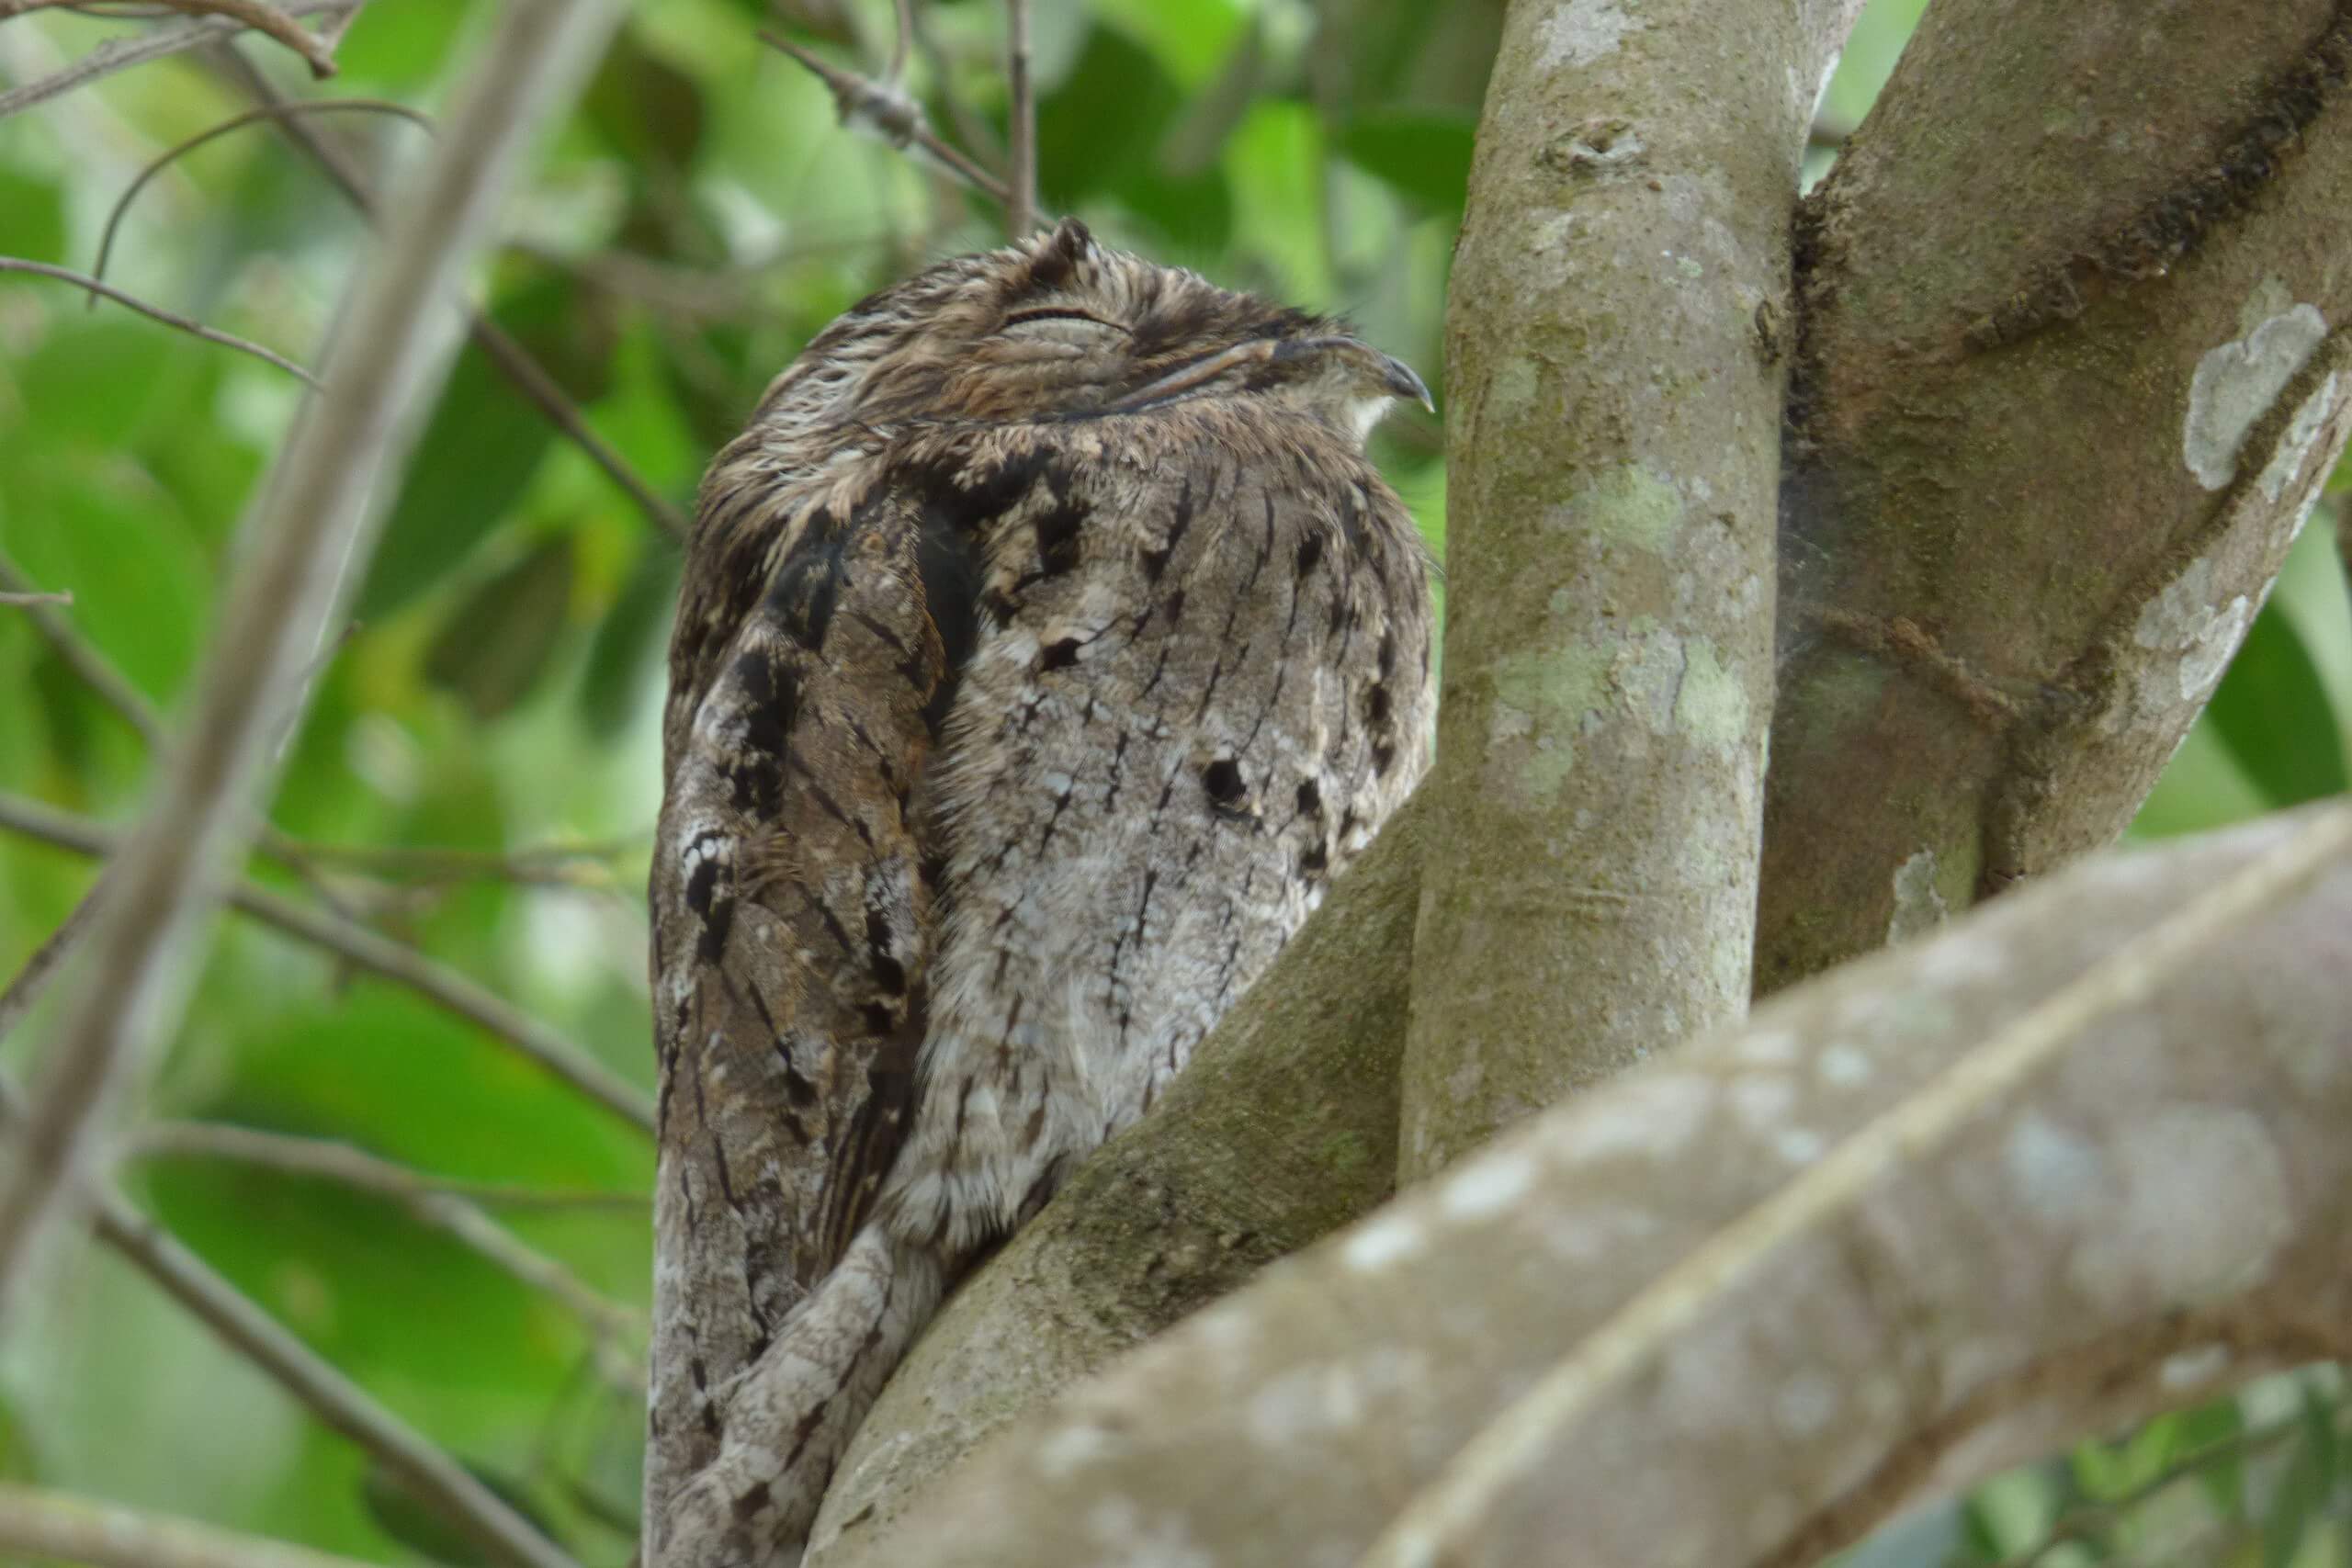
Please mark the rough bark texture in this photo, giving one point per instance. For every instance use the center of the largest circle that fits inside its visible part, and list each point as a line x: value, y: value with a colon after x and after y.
x: 1282, y: 1129
x: 2072, y: 375
x: 1948, y: 1200
x: 1615, y: 371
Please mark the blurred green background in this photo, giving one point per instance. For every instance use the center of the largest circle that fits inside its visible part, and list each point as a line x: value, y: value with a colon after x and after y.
x: 696, y: 220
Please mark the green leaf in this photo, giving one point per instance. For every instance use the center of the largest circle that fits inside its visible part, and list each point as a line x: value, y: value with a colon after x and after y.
x: 2305, y: 1486
x: 2273, y: 711
x: 628, y: 643
x: 649, y: 110
x: 2223, y: 1477
x: 483, y: 443
x: 32, y: 216
x: 1424, y: 156
x: 496, y: 643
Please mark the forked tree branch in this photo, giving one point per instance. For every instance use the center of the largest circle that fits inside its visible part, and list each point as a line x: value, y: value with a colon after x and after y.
x: 312, y: 529
x: 2076, y: 1159
x: 1992, y: 645
x: 885, y: 111
x: 157, y: 43
x: 266, y: 19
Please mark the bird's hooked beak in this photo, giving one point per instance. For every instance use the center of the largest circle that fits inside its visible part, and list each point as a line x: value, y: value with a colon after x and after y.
x: 1377, y: 374
x: 1379, y: 371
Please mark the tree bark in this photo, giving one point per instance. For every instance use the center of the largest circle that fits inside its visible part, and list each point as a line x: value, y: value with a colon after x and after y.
x: 1614, y: 377
x: 2071, y: 376
x: 2080, y: 1157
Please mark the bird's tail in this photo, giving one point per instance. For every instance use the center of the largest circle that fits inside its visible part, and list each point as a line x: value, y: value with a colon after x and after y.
x: 788, y: 1419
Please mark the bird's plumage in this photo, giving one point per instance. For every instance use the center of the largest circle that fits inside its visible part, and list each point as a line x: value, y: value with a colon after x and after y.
x: 1046, y: 644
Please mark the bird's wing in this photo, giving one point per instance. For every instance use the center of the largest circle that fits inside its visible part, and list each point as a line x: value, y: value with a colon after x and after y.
x: 817, y: 643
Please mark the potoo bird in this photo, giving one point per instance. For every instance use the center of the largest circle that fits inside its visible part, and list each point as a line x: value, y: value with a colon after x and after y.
x: 1046, y: 646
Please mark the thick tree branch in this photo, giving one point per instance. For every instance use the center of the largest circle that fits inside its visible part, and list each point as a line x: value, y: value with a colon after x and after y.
x: 2068, y: 385
x: 1615, y: 385
x: 312, y: 527
x: 2079, y: 1158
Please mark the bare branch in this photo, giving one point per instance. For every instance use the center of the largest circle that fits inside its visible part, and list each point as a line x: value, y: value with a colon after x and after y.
x: 424, y: 1472
x: 36, y: 1523
x: 587, y: 865
x: 163, y: 159
x: 25, y: 601
x: 313, y: 528
x: 332, y: 1161
x: 1021, y: 216
x: 886, y: 111
x: 33, y: 979
x: 378, y: 955
x: 120, y: 54
x: 510, y: 358
x: 91, y: 667
x: 169, y: 318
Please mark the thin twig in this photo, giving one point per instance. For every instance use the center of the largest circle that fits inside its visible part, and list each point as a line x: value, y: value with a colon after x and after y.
x: 311, y: 531
x: 91, y: 667
x: 900, y: 43
x: 235, y: 122
x: 424, y: 1472
x: 267, y: 20
x: 169, y: 318
x: 331, y: 1160
x: 38, y: 1523
x: 890, y: 114
x: 377, y: 954
x: 27, y: 600
x: 120, y: 54
x: 1021, y: 215
x: 508, y: 357
x: 448, y: 1206
x: 37, y: 972
x: 555, y: 866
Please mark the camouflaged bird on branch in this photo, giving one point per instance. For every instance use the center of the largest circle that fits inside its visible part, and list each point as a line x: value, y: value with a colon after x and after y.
x: 1047, y: 645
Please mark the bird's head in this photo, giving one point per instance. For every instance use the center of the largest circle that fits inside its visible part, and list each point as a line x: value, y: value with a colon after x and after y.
x: 1061, y: 327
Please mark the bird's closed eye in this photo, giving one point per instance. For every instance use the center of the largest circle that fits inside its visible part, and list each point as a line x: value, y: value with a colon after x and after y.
x: 1058, y: 315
